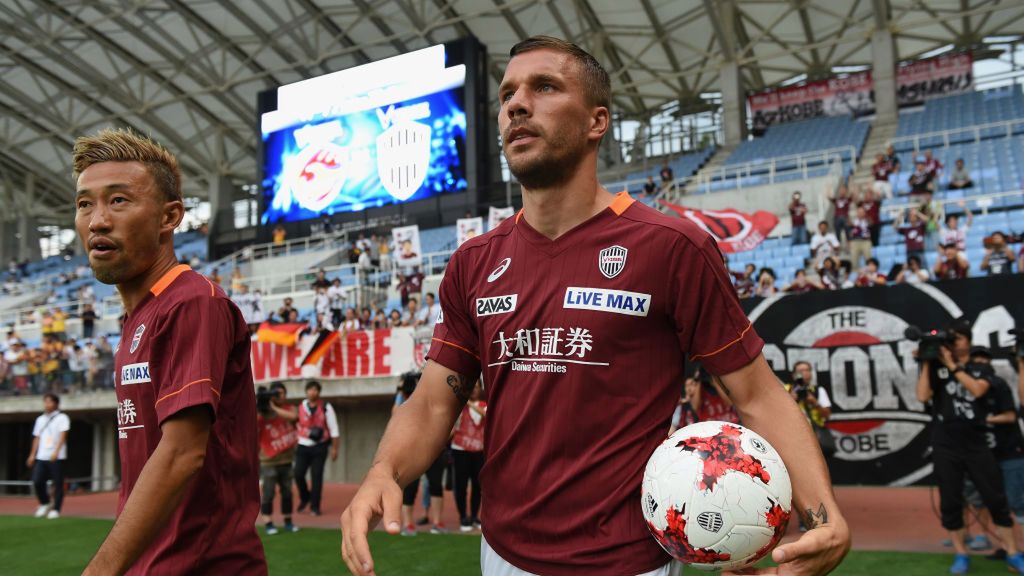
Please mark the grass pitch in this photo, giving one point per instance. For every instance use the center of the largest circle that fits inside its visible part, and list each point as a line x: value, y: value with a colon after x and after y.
x: 30, y: 546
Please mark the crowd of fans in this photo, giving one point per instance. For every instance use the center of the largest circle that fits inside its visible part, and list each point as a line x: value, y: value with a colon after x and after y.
x: 840, y: 253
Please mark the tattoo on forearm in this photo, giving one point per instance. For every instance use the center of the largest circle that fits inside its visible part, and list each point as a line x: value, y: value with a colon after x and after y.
x: 461, y: 386
x: 814, y: 519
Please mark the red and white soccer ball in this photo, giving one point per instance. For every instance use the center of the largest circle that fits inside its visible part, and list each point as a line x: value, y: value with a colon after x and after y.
x: 716, y: 496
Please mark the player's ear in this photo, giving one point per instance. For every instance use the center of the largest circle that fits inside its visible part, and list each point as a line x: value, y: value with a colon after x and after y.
x: 600, y: 120
x: 173, y: 212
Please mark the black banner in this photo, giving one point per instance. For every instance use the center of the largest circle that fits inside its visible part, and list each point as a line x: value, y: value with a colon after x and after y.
x: 854, y: 341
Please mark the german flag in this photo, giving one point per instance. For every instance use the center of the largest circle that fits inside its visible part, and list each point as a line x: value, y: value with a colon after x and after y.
x: 285, y: 333
x: 323, y: 343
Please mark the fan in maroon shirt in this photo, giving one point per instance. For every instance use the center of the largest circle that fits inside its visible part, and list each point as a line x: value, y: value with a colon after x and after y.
x: 580, y: 311
x: 186, y: 408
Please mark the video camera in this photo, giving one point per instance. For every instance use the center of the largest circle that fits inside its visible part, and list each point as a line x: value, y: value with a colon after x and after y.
x: 263, y: 398
x: 931, y: 341
x: 800, y: 387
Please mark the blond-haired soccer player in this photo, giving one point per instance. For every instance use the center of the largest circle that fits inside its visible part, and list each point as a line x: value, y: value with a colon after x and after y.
x: 186, y: 412
x: 580, y: 311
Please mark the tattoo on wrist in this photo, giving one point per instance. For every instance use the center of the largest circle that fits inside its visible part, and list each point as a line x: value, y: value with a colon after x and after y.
x: 461, y: 386
x: 814, y: 519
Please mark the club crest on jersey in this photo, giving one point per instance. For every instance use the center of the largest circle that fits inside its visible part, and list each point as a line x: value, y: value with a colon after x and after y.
x: 137, y: 338
x: 612, y: 260
x: 496, y: 305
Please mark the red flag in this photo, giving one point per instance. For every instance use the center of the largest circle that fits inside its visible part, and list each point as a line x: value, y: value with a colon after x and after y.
x: 735, y: 231
x: 285, y: 333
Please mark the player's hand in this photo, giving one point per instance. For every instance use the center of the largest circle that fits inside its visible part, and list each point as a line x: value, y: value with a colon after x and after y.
x: 817, y: 552
x: 378, y: 498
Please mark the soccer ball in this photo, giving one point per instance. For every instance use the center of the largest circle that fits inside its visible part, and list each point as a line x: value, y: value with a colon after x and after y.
x: 716, y: 496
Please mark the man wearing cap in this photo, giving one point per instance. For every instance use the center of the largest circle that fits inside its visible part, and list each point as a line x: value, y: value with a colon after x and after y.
x: 957, y: 392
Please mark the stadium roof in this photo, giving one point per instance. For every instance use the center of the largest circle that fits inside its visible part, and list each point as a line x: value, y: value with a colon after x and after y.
x: 187, y: 71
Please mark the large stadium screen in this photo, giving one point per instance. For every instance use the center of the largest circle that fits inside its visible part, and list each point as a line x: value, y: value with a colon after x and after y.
x: 385, y: 132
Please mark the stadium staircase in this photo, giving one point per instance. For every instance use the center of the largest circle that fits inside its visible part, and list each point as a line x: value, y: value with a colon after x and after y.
x: 715, y: 164
x: 879, y: 137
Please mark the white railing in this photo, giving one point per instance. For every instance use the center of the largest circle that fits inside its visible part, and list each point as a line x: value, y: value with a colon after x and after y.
x: 773, y: 167
x: 981, y: 201
x: 24, y: 317
x: 975, y: 131
x: 272, y: 250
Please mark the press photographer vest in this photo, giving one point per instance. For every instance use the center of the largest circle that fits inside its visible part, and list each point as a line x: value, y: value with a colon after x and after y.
x: 276, y: 436
x: 318, y: 419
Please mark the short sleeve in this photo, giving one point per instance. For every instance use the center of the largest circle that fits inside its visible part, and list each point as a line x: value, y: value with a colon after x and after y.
x: 63, y: 423
x: 710, y: 324
x: 36, y: 428
x: 190, y: 354
x: 454, y: 344
x: 823, y: 400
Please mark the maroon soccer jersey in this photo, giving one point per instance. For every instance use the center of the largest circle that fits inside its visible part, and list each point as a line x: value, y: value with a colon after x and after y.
x: 582, y: 340
x: 184, y: 345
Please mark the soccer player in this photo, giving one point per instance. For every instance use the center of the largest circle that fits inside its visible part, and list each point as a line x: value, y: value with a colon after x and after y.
x: 186, y: 413
x: 579, y: 311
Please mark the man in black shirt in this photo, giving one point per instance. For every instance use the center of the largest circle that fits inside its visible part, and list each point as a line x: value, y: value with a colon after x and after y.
x: 957, y: 390
x: 1004, y: 435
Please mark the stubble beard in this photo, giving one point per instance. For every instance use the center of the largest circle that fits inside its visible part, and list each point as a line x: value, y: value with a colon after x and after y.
x: 553, y: 165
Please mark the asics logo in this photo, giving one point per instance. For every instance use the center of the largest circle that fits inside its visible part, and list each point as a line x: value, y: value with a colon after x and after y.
x: 499, y: 270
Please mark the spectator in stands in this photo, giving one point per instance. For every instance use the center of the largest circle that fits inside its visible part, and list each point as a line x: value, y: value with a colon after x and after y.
x: 468, y: 457
x: 78, y: 363
x: 872, y: 205
x: 47, y: 456
x: 318, y: 433
x: 428, y: 314
x: 279, y: 235
x: 351, y: 322
x: 914, y: 233
x: 380, y: 320
x: 881, y: 170
x: 798, y: 217
x: 860, y: 238
x: 52, y: 352
x: 366, y: 318
x: 286, y: 309
x: 802, y: 284
x: 91, y: 356
x: 921, y: 181
x: 60, y: 318
x: 277, y: 441
x: 1020, y: 266
x: 394, y: 318
x: 17, y: 358
x: 321, y: 280
x: 744, y: 281
x: 384, y: 249
x: 321, y: 302
x: 319, y: 324
x: 953, y: 263
x: 913, y: 272
x: 953, y: 232
x: 258, y: 311
x: 828, y: 274
x: 998, y: 257
x: 215, y: 276
x: 105, y: 360
x: 823, y: 244
x: 841, y: 203
x: 410, y: 285
x: 236, y: 281
x: 336, y: 301
x: 667, y: 177
x: 650, y: 187
x: 869, y: 274
x: 766, y: 283
x: 960, y: 178
x: 12, y: 269
x: 892, y: 159
x: 243, y: 300
x: 410, y: 312
x: 87, y: 295
x: 933, y: 166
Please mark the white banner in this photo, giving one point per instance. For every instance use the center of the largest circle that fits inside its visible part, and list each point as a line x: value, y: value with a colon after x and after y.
x: 357, y: 354
x: 468, y: 228
x: 496, y: 216
x: 407, y: 245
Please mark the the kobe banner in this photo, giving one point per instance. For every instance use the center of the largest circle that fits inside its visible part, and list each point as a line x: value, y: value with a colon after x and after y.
x: 854, y: 340
x: 354, y: 354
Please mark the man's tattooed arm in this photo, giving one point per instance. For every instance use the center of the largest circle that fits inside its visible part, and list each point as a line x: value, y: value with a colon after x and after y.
x: 461, y: 386
x: 814, y: 519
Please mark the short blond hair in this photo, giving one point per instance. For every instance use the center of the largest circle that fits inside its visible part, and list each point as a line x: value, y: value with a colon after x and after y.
x: 119, y: 145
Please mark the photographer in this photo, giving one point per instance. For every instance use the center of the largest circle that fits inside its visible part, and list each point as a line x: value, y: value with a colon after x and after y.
x: 275, y: 420
x: 318, y: 430
x: 813, y: 401
x: 956, y: 390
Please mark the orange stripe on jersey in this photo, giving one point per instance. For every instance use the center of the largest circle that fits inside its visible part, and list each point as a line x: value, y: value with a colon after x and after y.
x: 212, y: 291
x: 454, y: 345
x: 622, y: 201
x: 723, y: 348
x: 519, y: 215
x: 182, y: 389
x: 167, y: 278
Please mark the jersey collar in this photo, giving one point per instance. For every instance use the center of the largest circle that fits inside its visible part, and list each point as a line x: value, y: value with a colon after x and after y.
x: 552, y: 248
x: 168, y: 277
